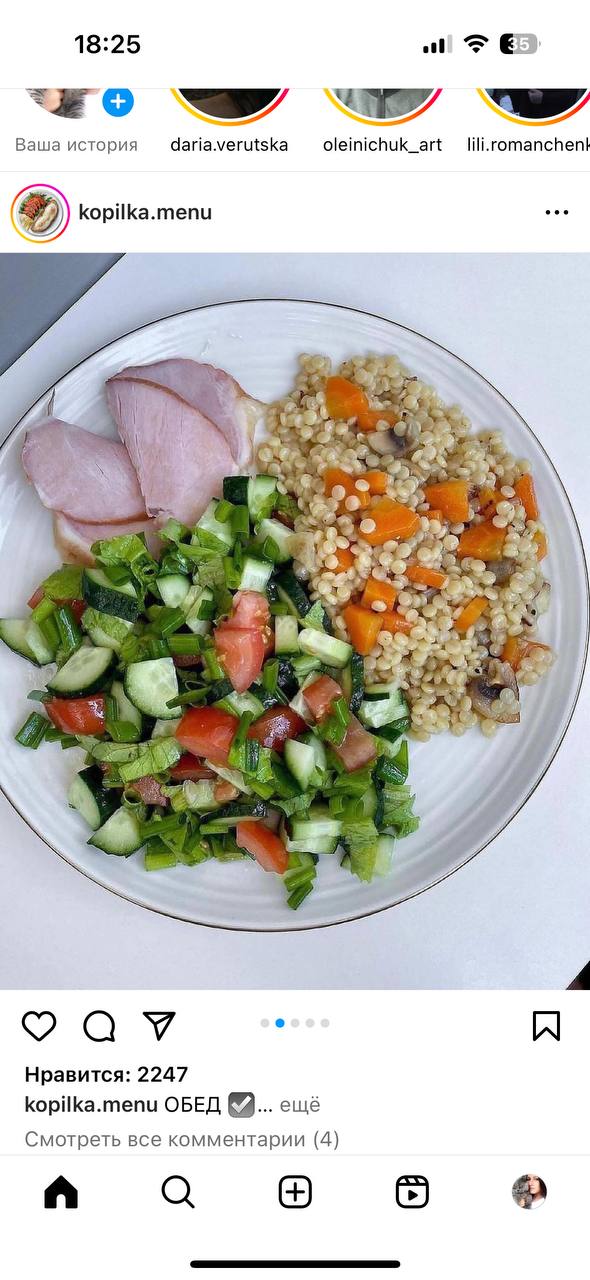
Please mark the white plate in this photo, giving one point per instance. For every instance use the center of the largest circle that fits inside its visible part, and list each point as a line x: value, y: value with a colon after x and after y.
x: 467, y: 789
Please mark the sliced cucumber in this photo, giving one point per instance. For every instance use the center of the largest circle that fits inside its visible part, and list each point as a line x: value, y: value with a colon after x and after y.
x: 198, y: 618
x: 165, y: 728
x: 286, y: 634
x: 255, y: 574
x: 42, y: 651
x: 317, y: 824
x: 235, y: 490
x: 237, y: 703
x: 104, y: 629
x: 300, y: 761
x: 353, y: 682
x: 91, y: 798
x: 125, y: 708
x: 385, y: 852
x: 13, y: 631
x: 382, y: 705
x: 84, y: 672
x: 216, y: 534
x: 120, y: 834
x: 100, y: 593
x: 326, y: 844
x: 336, y: 653
x: 261, y: 497
x: 151, y: 685
x: 321, y: 759
x: 304, y: 665
x: 290, y: 591
x: 281, y: 536
x: 173, y: 588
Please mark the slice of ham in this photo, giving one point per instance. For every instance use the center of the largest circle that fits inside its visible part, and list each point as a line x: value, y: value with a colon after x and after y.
x: 86, y: 476
x: 213, y: 392
x: 74, y: 538
x: 180, y: 456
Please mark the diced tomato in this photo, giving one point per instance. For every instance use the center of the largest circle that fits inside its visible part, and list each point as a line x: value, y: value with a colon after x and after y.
x: 276, y: 725
x: 243, y: 640
x: 150, y: 790
x: 269, y: 851
x: 250, y: 611
x: 189, y: 769
x: 241, y: 654
x: 207, y: 731
x: 77, y: 606
x: 358, y: 748
x: 320, y: 695
x: 36, y: 598
x: 225, y: 792
x: 78, y: 715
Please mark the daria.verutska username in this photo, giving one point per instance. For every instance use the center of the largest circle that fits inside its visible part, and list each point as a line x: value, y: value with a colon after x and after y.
x: 382, y: 104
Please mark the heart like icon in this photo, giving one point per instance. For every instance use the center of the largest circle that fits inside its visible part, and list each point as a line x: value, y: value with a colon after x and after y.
x: 39, y: 1025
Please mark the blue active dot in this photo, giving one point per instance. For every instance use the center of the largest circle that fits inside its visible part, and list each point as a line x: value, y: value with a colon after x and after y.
x: 279, y: 1022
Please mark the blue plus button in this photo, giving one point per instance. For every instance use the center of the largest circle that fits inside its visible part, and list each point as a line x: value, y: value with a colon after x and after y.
x: 118, y: 102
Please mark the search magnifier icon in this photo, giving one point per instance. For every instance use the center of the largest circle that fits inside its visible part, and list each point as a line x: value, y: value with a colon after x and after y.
x: 177, y: 1190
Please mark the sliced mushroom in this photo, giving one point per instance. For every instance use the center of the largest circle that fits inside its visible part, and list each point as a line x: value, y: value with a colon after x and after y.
x: 501, y: 569
x: 494, y: 695
x: 538, y: 605
x: 394, y: 441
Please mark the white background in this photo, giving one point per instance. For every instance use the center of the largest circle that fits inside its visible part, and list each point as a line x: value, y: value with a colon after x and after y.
x: 518, y: 915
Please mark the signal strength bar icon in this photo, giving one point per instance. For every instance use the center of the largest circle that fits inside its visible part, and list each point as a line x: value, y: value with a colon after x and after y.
x: 443, y: 45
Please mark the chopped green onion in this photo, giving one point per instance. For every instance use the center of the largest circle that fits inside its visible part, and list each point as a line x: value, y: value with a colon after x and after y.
x: 240, y: 522
x: 224, y: 510
x: 49, y: 631
x: 270, y: 675
x: 212, y: 666
x: 161, y: 826
x: 278, y: 609
x: 173, y: 531
x: 270, y: 550
x: 190, y: 699
x: 32, y: 732
x: 157, y: 648
x: 43, y: 610
x: 159, y: 859
x: 185, y: 644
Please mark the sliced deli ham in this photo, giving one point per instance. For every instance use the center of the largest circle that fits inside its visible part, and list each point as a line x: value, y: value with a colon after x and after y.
x: 180, y: 457
x: 84, y: 475
x: 211, y: 391
x: 74, y: 538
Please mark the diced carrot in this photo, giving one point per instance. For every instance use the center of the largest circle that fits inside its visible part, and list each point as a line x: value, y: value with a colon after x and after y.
x: 429, y: 577
x: 517, y: 648
x: 378, y: 591
x: 482, y: 541
x: 488, y: 501
x: 369, y: 419
x: 434, y: 514
x: 452, y: 497
x: 344, y: 399
x: 363, y: 627
x: 344, y: 557
x: 542, y: 545
x: 470, y: 614
x: 392, y: 520
x: 336, y: 476
x: 364, y: 497
x: 376, y: 480
x: 395, y: 622
x: 525, y: 492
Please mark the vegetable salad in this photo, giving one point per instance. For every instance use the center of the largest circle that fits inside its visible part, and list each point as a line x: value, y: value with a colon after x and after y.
x: 219, y: 715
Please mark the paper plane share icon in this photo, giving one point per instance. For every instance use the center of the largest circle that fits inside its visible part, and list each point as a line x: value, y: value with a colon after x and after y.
x: 160, y: 1022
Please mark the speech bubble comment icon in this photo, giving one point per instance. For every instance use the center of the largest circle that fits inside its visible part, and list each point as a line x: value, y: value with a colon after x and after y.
x: 99, y: 1026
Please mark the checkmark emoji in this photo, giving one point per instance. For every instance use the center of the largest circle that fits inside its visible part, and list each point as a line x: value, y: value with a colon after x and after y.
x: 241, y: 1105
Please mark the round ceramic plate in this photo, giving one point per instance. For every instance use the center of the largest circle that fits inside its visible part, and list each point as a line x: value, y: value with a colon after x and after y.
x: 467, y: 789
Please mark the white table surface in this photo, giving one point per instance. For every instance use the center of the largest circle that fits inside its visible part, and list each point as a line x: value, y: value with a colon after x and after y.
x: 518, y: 915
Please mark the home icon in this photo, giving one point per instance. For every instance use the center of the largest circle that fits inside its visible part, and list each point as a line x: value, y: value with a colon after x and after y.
x: 58, y: 1189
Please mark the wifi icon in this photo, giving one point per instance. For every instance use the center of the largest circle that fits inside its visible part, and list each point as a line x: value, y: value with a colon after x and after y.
x: 476, y: 42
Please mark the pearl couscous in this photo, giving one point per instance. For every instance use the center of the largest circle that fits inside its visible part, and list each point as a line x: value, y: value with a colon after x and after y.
x: 391, y: 483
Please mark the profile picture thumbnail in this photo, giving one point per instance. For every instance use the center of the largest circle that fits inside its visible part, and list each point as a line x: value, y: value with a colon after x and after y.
x: 229, y: 105
x: 529, y: 1191
x: 537, y: 104
x: 69, y: 104
x: 40, y: 213
x: 382, y: 104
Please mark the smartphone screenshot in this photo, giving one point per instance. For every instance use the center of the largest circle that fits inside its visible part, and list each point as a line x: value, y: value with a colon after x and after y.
x: 294, y: 453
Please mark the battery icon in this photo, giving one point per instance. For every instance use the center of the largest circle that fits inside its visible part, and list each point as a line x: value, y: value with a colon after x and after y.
x: 519, y: 42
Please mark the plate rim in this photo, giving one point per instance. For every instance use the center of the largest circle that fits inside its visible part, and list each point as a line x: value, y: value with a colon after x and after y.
x: 374, y: 911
